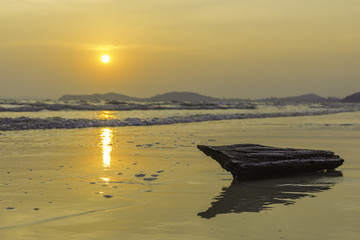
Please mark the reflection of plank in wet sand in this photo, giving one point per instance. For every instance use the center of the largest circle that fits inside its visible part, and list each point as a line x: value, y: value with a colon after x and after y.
x: 255, y: 196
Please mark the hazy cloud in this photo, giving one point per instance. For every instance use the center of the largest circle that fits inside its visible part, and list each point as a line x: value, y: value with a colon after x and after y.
x: 86, y: 46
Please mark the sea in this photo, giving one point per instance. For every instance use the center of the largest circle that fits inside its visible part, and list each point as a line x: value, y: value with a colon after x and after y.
x: 132, y: 170
x: 51, y: 114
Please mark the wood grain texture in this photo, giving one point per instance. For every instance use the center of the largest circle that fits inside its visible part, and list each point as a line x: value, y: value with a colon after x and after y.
x: 253, y: 161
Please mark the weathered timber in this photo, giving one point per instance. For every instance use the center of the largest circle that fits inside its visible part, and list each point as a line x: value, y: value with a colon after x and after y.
x: 253, y: 161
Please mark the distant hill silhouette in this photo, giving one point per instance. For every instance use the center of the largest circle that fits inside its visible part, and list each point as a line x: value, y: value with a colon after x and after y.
x: 182, y: 97
x: 302, y: 98
x: 352, y: 98
x: 172, y: 96
x: 195, y: 97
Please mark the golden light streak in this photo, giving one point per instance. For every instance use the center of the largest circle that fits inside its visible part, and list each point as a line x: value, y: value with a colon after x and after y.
x: 106, y: 145
x: 105, y: 115
x: 105, y: 180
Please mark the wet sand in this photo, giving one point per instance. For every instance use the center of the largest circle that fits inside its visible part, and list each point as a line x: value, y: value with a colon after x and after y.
x: 153, y: 183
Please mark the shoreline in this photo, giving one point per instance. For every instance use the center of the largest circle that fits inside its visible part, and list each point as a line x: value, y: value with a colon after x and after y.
x: 26, y: 123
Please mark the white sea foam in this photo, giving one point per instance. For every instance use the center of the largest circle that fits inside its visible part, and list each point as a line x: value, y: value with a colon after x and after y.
x: 25, y: 123
x: 31, y: 106
x: 47, y: 114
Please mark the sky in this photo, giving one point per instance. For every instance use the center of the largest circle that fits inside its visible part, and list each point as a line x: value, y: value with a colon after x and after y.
x: 220, y: 48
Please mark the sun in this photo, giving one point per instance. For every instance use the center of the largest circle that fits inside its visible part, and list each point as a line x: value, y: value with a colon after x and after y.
x: 105, y: 58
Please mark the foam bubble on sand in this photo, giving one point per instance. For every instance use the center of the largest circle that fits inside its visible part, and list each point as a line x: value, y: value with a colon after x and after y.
x: 150, y: 179
x: 140, y: 175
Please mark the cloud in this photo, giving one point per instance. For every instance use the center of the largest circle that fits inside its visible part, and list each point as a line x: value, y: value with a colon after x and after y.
x: 74, y: 45
x: 87, y: 46
x: 111, y: 47
x: 101, y: 47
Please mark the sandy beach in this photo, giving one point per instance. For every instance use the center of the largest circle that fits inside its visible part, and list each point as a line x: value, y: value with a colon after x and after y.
x: 152, y: 182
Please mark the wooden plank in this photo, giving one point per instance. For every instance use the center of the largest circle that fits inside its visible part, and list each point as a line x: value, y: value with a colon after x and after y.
x: 253, y: 161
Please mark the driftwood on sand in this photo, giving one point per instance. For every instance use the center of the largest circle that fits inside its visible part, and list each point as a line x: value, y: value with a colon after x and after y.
x: 253, y: 161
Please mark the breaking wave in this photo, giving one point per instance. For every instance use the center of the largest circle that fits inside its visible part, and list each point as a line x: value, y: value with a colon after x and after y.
x: 27, y: 123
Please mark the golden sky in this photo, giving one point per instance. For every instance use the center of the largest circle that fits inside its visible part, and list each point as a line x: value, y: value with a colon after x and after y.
x: 221, y: 48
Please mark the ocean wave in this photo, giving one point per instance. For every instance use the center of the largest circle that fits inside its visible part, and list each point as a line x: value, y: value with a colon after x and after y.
x: 20, y: 106
x: 26, y: 123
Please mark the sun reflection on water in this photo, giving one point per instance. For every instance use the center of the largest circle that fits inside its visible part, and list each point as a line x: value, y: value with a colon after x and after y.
x: 106, y: 145
x: 105, y: 115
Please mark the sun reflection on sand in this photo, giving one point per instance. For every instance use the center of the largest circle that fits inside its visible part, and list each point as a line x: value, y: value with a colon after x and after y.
x: 106, y: 145
x: 105, y: 180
